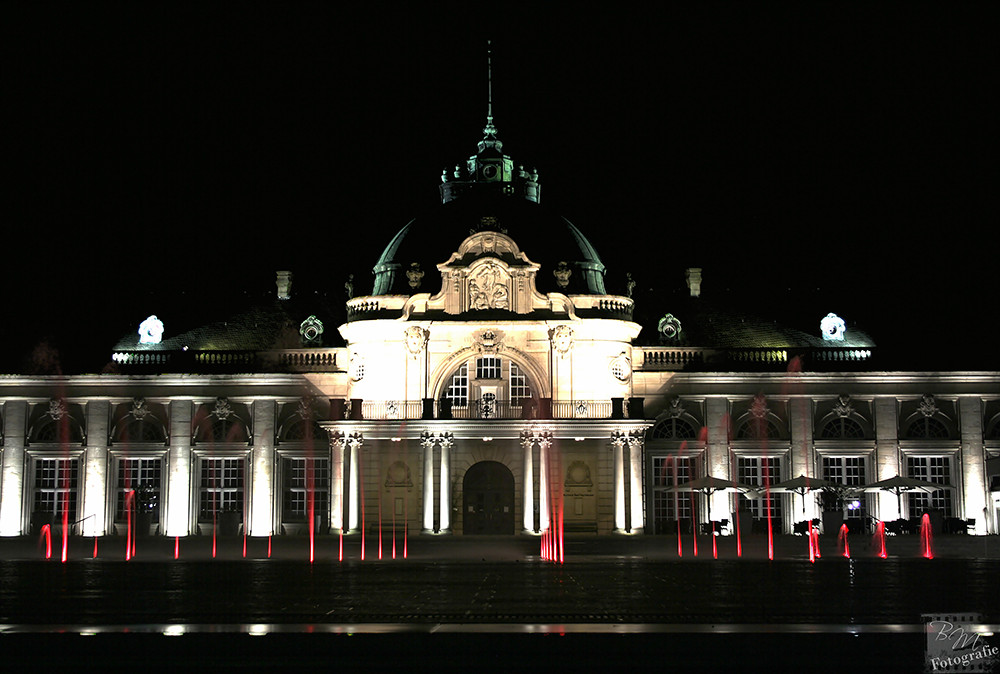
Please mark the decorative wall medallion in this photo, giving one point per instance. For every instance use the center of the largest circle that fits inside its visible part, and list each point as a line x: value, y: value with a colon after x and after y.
x: 307, y: 407
x: 487, y: 289
x: 621, y: 368
x: 758, y: 408
x: 562, y: 272
x: 57, y: 409
x: 928, y: 406
x: 562, y: 339
x: 416, y: 339
x: 414, y: 275
x: 223, y: 410
x: 139, y: 409
x: 843, y: 408
x: 669, y: 326
x: 488, y: 341
x: 151, y: 331
x: 676, y: 410
x: 833, y: 327
x: 311, y: 330
x: 398, y: 475
x: 578, y: 475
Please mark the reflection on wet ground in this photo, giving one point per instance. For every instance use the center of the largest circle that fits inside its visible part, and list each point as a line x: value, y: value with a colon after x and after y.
x: 597, y: 611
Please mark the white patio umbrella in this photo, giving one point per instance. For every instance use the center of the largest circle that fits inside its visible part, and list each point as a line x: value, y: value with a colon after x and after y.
x: 897, y: 484
x: 708, y: 485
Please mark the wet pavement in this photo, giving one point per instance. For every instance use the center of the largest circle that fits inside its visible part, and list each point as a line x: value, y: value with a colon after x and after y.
x: 612, y: 601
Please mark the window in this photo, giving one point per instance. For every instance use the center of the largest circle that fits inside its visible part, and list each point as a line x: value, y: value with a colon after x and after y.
x: 141, y: 431
x: 220, y: 487
x: 488, y: 367
x: 133, y: 473
x: 927, y: 427
x: 930, y: 469
x: 842, y: 427
x: 223, y: 430
x: 519, y: 388
x: 847, y: 470
x: 673, y: 429
x: 757, y: 429
x: 302, y: 477
x: 457, y: 392
x: 669, y: 506
x: 753, y: 471
x: 56, y: 484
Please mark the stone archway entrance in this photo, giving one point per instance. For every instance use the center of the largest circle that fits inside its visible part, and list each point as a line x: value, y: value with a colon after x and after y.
x: 488, y: 499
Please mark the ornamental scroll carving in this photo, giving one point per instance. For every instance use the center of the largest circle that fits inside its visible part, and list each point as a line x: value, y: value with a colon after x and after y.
x: 488, y: 288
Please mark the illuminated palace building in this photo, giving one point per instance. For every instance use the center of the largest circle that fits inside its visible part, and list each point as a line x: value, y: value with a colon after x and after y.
x: 487, y: 384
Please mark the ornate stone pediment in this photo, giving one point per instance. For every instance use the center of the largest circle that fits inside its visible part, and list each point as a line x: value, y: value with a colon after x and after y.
x: 488, y: 272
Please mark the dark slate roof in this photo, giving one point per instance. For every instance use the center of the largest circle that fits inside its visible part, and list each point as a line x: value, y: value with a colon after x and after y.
x: 268, y: 325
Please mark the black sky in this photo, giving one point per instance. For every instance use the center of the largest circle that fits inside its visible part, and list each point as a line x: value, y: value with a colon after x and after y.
x: 166, y: 157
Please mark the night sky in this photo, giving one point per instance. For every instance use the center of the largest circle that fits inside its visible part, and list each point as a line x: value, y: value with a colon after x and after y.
x: 168, y: 158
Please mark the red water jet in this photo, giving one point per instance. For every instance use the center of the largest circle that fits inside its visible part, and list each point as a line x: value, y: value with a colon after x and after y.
x: 177, y: 547
x: 878, y: 539
x: 926, y: 537
x: 715, y: 548
x: 129, y: 533
x: 842, y: 544
x: 46, y: 533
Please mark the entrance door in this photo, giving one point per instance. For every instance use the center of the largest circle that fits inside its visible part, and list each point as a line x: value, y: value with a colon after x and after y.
x: 488, y: 499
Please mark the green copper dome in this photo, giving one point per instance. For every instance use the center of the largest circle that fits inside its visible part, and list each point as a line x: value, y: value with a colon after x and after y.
x: 488, y: 193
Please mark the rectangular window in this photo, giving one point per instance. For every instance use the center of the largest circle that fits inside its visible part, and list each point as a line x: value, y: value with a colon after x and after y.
x: 458, y: 391
x: 488, y: 367
x: 56, y: 486
x: 133, y: 473
x: 930, y: 469
x: 303, y: 477
x: 753, y: 471
x: 850, y: 471
x: 669, y: 506
x: 519, y: 389
x: 220, y: 487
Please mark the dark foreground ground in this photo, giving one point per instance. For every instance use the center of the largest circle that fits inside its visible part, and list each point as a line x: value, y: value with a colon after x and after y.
x: 487, y: 604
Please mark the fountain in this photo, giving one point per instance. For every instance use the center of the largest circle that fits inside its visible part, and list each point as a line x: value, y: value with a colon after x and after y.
x: 926, y: 537
x: 842, y: 544
x: 878, y: 539
x: 46, y: 533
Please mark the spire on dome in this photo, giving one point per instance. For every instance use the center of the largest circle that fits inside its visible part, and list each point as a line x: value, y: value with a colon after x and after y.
x: 489, y: 129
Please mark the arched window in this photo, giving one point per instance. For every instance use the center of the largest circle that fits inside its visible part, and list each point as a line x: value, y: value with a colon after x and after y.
x: 757, y: 429
x: 223, y: 430
x: 842, y: 427
x: 140, y: 430
x: 927, y: 428
x: 673, y: 429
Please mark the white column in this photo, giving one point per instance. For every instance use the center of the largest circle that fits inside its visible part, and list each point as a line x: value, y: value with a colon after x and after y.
x: 96, y: 469
x: 617, y: 449
x: 887, y: 455
x: 802, y: 458
x: 636, y: 520
x: 15, y: 413
x: 445, y: 504
x: 261, y: 516
x: 337, y: 481
x: 528, y: 486
x: 973, y: 468
x: 353, y: 487
x: 717, y: 461
x: 179, y: 463
x: 427, y: 442
x: 543, y: 484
